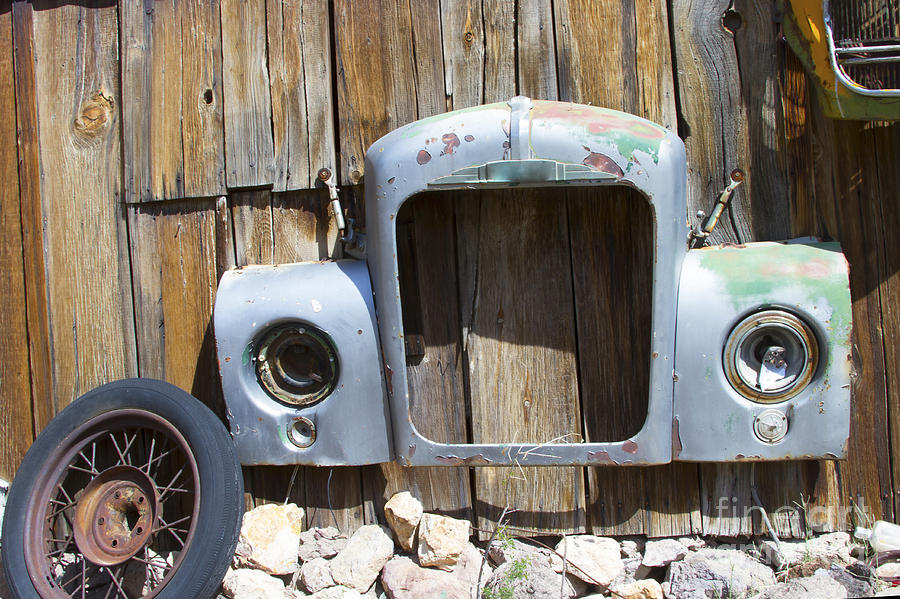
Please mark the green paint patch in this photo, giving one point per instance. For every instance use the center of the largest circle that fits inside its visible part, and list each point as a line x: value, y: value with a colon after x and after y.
x: 758, y: 272
x: 418, y: 127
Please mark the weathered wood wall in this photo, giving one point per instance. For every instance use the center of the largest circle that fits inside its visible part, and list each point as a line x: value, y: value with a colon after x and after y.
x: 146, y: 146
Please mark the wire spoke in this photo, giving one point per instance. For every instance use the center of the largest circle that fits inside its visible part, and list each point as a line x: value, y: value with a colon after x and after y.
x: 116, y: 582
x: 168, y: 487
x: 130, y: 443
x: 118, y: 451
x: 171, y: 524
x: 90, y: 463
x: 150, y: 454
x: 80, y: 469
x: 156, y: 460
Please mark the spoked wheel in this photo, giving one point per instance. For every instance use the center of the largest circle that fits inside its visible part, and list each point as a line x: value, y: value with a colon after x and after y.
x: 132, y: 491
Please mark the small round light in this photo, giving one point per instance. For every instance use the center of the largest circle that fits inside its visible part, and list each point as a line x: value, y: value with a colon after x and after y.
x: 770, y: 356
x: 301, y: 432
x: 297, y: 364
x: 770, y: 426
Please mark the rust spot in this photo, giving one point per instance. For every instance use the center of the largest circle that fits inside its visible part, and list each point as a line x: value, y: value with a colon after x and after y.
x: 676, y: 439
x: 424, y: 157
x: 629, y: 446
x: 228, y: 359
x: 469, y: 138
x: 95, y: 115
x: 506, y: 145
x: 655, y: 355
x: 359, y: 332
x: 603, y: 163
x: 452, y: 460
x: 392, y: 179
x: 601, y: 457
x: 451, y: 142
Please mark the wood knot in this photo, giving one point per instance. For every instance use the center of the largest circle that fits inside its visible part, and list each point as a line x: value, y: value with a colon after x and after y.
x: 95, y: 115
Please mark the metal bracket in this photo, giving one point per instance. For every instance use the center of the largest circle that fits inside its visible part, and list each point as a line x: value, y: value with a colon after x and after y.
x: 699, y: 233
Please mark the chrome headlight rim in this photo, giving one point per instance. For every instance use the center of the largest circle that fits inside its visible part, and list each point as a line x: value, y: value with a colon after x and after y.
x: 790, y: 330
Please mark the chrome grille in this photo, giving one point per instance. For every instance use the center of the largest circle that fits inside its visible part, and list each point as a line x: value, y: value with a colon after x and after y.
x: 866, y: 36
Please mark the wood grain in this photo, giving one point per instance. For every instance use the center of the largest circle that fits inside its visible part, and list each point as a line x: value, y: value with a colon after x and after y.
x: 427, y: 259
x: 173, y: 253
x: 375, y: 76
x: 32, y: 231
x: 202, y: 112
x: 713, y: 116
x: 172, y: 99
x: 249, y: 149
x: 152, y: 100
x: 16, y: 422
x: 462, y: 34
x: 536, y: 46
x: 521, y: 356
x: 77, y: 76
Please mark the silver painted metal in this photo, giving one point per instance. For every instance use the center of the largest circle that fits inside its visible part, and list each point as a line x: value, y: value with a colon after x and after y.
x: 738, y: 307
x: 529, y: 144
x: 721, y: 289
x: 350, y: 425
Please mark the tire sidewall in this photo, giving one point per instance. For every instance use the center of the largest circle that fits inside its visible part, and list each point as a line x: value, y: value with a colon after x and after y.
x: 221, y: 489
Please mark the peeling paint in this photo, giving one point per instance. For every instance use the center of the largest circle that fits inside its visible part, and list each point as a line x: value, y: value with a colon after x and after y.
x: 423, y: 157
x: 452, y: 460
x: 629, y: 446
x: 451, y: 142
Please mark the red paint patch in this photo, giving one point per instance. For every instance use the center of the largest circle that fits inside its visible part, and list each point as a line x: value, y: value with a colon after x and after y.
x: 600, y: 456
x: 603, y: 163
x: 629, y: 446
x: 423, y: 157
x: 469, y: 138
x: 451, y: 142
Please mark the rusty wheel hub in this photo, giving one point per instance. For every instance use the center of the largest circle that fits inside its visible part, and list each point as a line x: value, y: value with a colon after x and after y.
x: 116, y: 515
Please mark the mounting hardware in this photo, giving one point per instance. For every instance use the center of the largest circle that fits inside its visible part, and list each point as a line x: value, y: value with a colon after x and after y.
x: 702, y: 231
x: 770, y: 426
x: 301, y: 432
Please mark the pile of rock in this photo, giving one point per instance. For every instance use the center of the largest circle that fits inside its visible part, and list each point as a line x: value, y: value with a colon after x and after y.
x: 276, y: 559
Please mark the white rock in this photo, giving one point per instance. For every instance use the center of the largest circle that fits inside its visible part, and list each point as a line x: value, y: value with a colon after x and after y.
x: 358, y: 564
x: 640, y: 589
x: 534, y: 580
x: 315, y: 575
x: 337, y: 592
x: 812, y: 587
x: 404, y: 579
x: 658, y: 554
x: 708, y: 572
x: 595, y: 560
x: 270, y: 538
x: 403, y: 512
x: 320, y: 542
x: 692, y: 543
x: 251, y: 584
x: 501, y: 552
x: 833, y: 547
x: 888, y: 570
x: 441, y: 540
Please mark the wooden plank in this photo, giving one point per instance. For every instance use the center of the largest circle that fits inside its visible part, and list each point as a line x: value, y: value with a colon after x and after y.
x: 426, y: 254
x: 249, y: 149
x: 152, y: 100
x: 462, y: 32
x: 284, y: 28
x: 760, y: 53
x: 499, y: 76
x: 77, y: 74
x: 613, y: 340
x: 32, y: 215
x: 866, y: 477
x: 885, y: 151
x: 251, y: 217
x: 375, y: 76
x: 519, y: 339
x: 173, y: 256
x: 302, y: 227
x: 172, y: 104
x: 16, y: 424
x: 429, y: 57
x: 632, y: 42
x: 202, y: 112
x: 712, y: 112
x: 536, y: 65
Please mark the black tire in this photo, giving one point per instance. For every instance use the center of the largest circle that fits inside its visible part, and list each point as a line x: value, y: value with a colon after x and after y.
x: 162, y: 430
